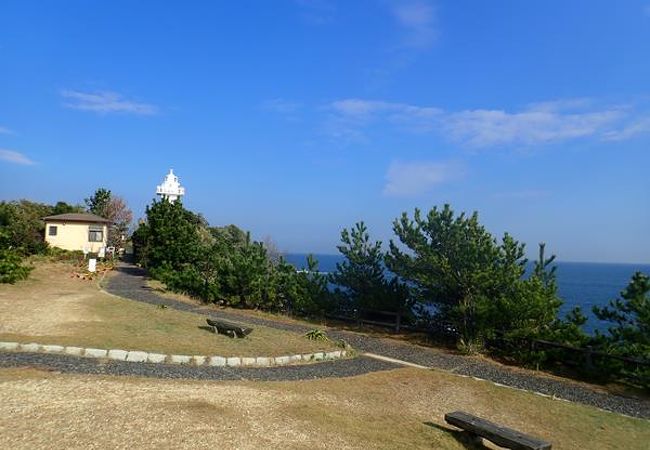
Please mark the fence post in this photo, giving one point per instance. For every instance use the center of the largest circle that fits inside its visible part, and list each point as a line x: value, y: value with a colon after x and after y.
x: 397, y: 322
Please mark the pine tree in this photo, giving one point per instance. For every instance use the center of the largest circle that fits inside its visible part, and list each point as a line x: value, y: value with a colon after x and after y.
x: 630, y: 316
x: 629, y: 334
x: 361, y: 274
x: 172, y: 238
x: 454, y: 263
x: 98, y: 202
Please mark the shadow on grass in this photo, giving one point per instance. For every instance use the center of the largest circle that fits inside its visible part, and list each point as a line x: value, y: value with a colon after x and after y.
x: 466, y: 439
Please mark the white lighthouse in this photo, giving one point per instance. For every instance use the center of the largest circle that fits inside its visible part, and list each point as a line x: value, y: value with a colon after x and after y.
x: 170, y: 189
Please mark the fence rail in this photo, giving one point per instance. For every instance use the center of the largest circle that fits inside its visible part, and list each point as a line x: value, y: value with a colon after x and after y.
x: 371, y: 317
x: 587, y: 354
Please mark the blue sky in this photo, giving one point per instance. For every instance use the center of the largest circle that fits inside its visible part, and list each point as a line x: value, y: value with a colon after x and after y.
x: 295, y: 119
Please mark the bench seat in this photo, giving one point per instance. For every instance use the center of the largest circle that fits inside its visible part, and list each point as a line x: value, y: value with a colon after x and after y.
x: 229, y: 328
x: 502, y: 436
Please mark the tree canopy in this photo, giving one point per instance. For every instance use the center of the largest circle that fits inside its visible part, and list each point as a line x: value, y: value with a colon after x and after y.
x: 475, y: 283
x: 362, y: 273
x: 114, y: 208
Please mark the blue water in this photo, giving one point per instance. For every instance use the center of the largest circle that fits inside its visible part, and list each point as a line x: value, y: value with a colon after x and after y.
x: 579, y: 284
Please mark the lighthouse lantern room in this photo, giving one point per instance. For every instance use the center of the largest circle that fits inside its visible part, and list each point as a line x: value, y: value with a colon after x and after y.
x: 171, y: 188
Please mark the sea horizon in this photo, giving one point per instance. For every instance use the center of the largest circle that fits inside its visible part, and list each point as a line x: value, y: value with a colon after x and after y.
x: 584, y: 284
x: 531, y: 259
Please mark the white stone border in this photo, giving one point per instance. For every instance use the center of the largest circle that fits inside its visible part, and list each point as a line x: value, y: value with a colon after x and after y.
x: 159, y: 358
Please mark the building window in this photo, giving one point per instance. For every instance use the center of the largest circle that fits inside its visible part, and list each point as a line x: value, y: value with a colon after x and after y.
x: 96, y: 233
x: 52, y: 230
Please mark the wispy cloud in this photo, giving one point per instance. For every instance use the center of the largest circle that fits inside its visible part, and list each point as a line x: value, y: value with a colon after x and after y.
x: 418, y: 20
x: 415, y: 29
x: 105, y: 102
x: 486, y: 128
x: 349, y: 117
x: 633, y: 129
x: 316, y: 12
x: 281, y: 106
x: 5, y: 130
x: 535, y: 124
x: 355, y: 108
x: 406, y: 179
x: 15, y: 157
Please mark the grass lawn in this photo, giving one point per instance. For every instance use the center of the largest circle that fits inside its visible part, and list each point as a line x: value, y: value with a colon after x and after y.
x: 403, y: 408
x: 52, y: 308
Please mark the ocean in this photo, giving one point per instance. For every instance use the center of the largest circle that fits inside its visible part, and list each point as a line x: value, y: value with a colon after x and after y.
x: 579, y: 284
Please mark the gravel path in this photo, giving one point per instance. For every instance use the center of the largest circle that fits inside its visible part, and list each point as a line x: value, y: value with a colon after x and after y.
x: 130, y: 283
x: 75, y: 364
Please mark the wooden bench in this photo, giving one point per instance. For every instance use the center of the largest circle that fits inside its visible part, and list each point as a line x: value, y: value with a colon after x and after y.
x: 228, y: 328
x: 502, y: 436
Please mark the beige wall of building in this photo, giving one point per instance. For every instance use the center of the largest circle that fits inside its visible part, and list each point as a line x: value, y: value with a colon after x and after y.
x: 75, y: 235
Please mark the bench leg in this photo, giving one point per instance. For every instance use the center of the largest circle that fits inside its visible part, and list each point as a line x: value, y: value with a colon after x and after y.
x: 472, y: 438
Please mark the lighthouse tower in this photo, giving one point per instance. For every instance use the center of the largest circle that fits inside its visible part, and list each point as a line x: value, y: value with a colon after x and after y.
x: 170, y: 189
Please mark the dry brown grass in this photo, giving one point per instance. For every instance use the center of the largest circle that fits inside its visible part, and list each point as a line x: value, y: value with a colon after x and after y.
x: 53, y: 308
x: 398, y: 409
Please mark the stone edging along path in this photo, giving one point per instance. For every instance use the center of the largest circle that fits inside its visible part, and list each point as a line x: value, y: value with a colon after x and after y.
x: 160, y: 358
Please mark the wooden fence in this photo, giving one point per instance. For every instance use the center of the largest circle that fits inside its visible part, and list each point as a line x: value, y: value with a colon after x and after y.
x: 583, y: 357
x: 371, y: 317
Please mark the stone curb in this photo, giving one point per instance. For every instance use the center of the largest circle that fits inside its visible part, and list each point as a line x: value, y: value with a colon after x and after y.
x: 159, y: 358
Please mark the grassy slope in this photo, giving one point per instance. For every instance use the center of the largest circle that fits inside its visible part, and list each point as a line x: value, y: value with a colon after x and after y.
x: 53, y: 308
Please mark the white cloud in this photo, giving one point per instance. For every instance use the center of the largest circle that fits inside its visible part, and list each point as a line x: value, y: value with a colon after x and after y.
x: 15, y: 157
x: 486, y: 128
x: 5, y: 130
x: 105, y: 102
x: 405, y: 179
x: 418, y: 19
x: 633, y: 129
x: 536, y: 124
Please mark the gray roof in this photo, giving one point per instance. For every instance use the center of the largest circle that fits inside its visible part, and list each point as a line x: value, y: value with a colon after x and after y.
x: 77, y: 217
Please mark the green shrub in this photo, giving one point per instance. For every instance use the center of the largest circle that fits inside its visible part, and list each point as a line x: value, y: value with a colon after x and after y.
x: 11, y: 268
x: 59, y: 254
x: 316, y: 335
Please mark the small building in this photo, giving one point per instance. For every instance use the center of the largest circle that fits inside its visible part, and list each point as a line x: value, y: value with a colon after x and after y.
x: 171, y: 188
x: 77, y: 231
